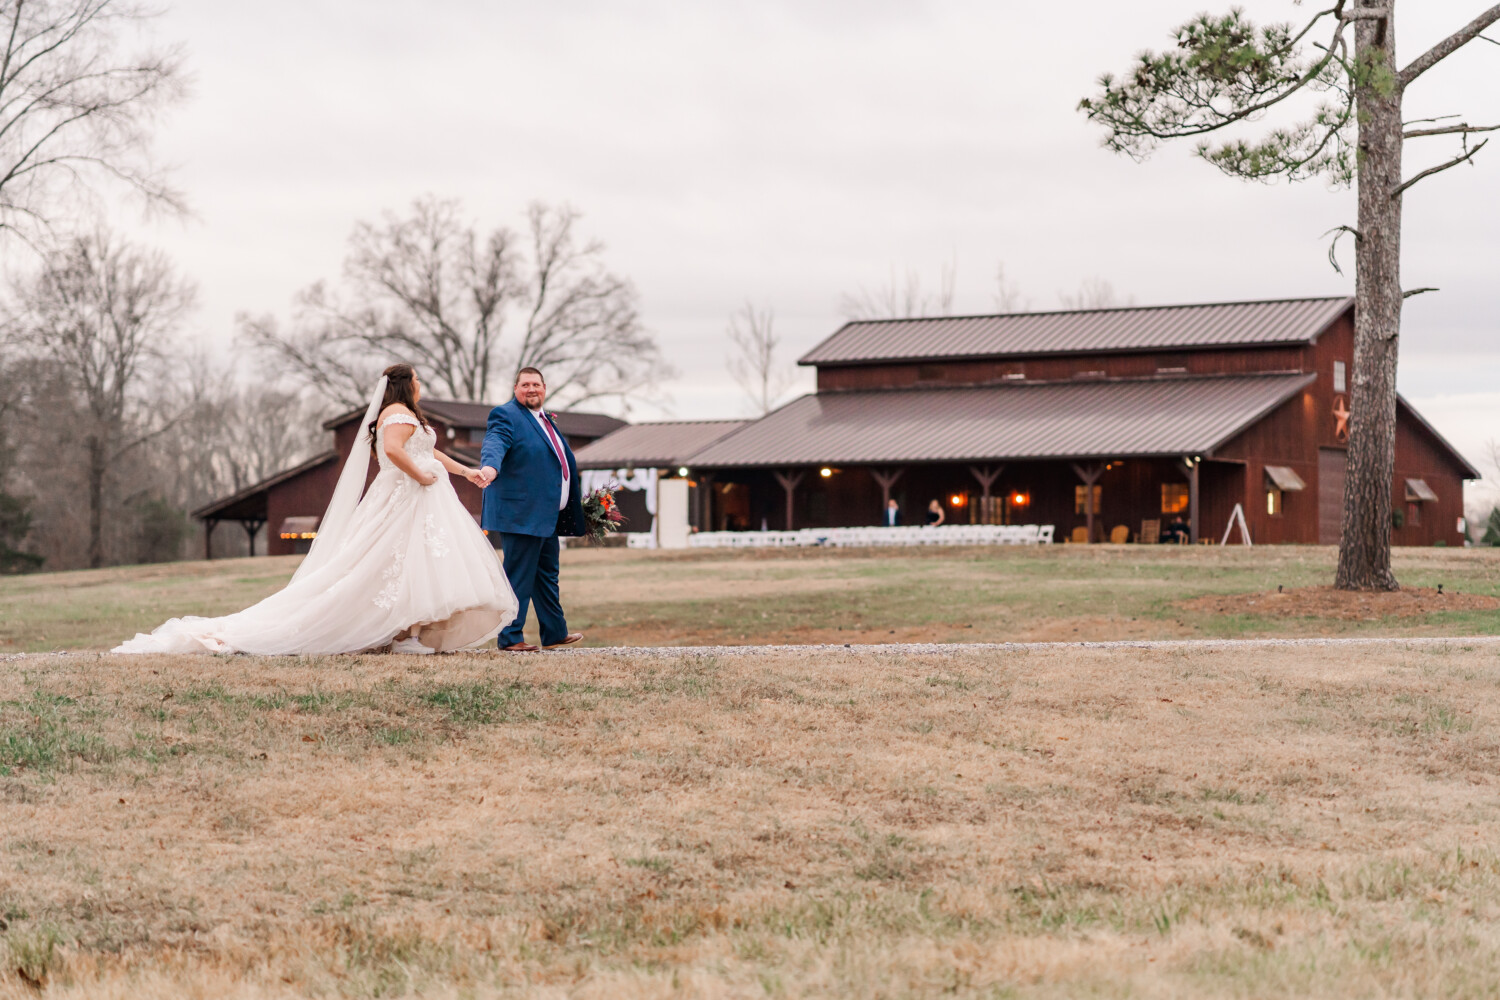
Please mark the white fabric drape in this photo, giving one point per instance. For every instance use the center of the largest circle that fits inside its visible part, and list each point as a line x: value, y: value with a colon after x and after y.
x: 333, y: 530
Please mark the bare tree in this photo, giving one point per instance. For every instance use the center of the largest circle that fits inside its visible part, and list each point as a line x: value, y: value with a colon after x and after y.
x: 1008, y: 297
x: 1225, y: 71
x: 232, y: 435
x: 101, y: 313
x: 427, y: 289
x: 753, y: 357
x: 73, y: 111
x: 1094, y: 293
x: 900, y: 299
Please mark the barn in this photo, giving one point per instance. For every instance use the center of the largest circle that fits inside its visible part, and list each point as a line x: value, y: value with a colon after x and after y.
x: 292, y: 501
x: 1111, y: 424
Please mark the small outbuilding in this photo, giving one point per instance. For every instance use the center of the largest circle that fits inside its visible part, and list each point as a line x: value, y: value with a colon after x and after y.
x: 292, y: 502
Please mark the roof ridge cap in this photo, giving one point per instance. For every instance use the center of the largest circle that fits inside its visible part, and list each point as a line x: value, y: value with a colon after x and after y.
x: 1101, y: 309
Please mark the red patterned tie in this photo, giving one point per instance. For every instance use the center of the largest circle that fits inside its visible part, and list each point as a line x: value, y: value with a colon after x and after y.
x: 556, y: 446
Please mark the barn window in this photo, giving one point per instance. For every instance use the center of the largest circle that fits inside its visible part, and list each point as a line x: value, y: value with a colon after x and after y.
x: 1339, y: 380
x: 1280, y: 480
x: 1080, y: 497
x: 1417, y: 491
x: 1174, y: 498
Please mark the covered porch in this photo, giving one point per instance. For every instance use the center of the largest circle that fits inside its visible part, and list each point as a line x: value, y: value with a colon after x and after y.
x: 1098, y: 459
x: 1153, y: 498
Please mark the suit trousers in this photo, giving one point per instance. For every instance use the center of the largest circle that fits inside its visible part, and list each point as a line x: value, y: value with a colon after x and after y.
x: 531, y: 565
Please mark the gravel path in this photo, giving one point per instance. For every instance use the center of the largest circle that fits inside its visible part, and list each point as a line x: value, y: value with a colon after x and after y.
x: 923, y: 648
x: 927, y: 648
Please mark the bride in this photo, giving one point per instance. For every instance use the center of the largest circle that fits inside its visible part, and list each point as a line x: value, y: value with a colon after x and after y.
x: 406, y: 564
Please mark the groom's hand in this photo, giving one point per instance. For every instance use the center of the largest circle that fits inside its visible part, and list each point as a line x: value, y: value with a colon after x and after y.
x: 487, y: 475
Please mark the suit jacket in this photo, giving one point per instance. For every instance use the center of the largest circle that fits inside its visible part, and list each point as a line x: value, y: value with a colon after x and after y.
x: 523, y: 498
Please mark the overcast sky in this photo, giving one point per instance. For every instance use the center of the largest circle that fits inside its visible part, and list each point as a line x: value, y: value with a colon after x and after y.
x: 788, y: 152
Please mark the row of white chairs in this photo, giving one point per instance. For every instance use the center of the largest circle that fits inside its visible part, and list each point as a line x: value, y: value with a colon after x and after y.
x: 943, y: 534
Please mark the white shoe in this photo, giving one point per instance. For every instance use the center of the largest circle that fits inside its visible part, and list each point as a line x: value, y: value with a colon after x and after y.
x: 411, y: 645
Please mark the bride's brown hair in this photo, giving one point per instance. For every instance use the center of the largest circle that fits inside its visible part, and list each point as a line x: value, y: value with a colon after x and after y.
x: 398, y: 389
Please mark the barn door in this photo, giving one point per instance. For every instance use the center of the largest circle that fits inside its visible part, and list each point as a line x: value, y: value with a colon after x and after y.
x: 1331, y: 463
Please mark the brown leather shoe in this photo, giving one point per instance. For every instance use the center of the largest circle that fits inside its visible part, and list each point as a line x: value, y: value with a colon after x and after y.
x: 572, y: 638
x: 520, y: 647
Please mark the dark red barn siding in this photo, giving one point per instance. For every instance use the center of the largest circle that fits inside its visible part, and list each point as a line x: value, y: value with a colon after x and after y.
x: 305, y: 495
x: 1420, y: 455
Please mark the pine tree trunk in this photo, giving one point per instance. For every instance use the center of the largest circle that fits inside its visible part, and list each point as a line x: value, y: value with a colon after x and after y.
x: 1365, y: 548
x: 96, y: 470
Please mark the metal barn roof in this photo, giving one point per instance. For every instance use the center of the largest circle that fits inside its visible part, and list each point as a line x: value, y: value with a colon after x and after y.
x: 650, y: 445
x: 1104, y: 419
x: 455, y: 413
x: 1189, y: 327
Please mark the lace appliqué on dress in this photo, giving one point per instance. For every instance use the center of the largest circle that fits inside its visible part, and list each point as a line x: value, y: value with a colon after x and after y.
x: 387, y: 597
x: 436, y: 538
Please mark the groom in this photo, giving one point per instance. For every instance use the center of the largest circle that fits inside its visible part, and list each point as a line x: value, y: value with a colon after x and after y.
x: 531, y: 497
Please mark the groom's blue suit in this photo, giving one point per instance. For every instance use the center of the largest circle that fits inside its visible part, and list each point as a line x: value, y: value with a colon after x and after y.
x: 522, y: 505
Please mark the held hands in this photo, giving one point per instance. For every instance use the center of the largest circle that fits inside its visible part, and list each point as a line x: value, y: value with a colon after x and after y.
x: 483, y: 477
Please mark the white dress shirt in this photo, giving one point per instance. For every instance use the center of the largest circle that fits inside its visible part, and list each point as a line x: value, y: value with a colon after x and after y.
x: 547, y: 432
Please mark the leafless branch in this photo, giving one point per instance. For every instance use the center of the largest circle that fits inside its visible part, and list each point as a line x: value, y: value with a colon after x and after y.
x: 1448, y: 46
x: 1419, y: 291
x: 753, y: 359
x: 74, y: 113
x: 1333, y: 245
x: 425, y: 288
x: 1465, y: 157
x: 1450, y: 130
x: 900, y: 299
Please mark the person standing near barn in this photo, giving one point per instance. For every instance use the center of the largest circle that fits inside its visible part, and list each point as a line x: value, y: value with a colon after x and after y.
x: 531, y: 497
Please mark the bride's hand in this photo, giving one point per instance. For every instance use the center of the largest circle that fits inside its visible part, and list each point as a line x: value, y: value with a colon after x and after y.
x: 475, y: 476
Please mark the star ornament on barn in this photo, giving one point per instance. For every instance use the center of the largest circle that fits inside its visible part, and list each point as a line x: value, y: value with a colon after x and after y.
x: 1341, y: 416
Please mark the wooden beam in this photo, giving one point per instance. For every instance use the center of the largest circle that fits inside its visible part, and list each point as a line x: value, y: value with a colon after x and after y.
x: 1090, y: 475
x: 251, y: 527
x: 886, y: 478
x: 208, y: 537
x: 705, y: 501
x: 1189, y: 466
x: 986, y: 477
x: 789, y: 481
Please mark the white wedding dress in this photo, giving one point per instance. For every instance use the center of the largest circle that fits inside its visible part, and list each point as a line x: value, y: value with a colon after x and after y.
x: 411, y: 558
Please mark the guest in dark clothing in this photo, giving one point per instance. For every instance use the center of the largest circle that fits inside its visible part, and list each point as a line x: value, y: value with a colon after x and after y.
x: 892, y: 516
x: 935, y: 513
x: 1176, y: 531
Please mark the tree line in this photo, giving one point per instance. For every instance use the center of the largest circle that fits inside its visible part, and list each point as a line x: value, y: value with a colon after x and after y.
x: 115, y: 422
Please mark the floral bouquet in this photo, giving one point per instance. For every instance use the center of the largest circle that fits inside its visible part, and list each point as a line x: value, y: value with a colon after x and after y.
x: 601, y: 515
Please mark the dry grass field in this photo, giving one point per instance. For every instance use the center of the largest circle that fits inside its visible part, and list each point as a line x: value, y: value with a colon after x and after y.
x: 1062, y: 822
x: 632, y: 598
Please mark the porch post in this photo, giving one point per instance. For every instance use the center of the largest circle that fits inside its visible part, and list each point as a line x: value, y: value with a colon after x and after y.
x: 886, y: 478
x: 789, y: 481
x: 986, y: 477
x: 1190, y: 465
x: 251, y: 527
x: 208, y: 537
x: 1090, y: 475
x: 705, y: 501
